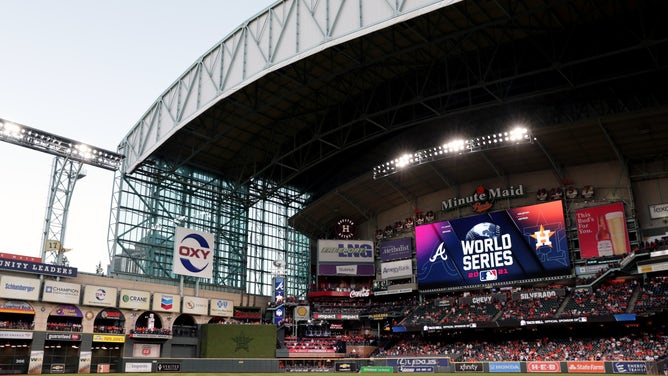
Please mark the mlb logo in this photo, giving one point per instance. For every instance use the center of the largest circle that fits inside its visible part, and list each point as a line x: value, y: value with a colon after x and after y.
x: 488, y: 275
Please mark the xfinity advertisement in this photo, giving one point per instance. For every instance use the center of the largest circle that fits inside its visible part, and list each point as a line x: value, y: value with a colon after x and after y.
x: 508, y: 245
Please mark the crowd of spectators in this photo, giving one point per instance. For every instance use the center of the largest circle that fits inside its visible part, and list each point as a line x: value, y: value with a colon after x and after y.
x: 311, y: 345
x: 653, y: 295
x: 448, y: 310
x: 112, y: 329
x: 145, y: 330
x: 336, y: 343
x: 612, y: 297
x: 20, y: 324
x: 64, y: 326
x: 641, y: 346
x: 531, y: 309
x: 654, y: 245
x: 606, y: 299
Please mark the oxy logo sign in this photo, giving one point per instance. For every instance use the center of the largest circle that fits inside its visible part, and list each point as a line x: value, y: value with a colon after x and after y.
x: 101, y: 294
x: 193, y: 253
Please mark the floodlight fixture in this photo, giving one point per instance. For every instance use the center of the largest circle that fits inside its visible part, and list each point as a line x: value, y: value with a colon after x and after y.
x: 454, y: 148
x: 35, y: 139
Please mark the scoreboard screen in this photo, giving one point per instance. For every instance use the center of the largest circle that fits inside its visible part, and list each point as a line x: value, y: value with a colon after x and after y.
x: 496, y: 247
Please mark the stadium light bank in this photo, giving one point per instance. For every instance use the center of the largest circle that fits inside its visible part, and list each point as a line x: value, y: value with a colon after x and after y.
x: 454, y: 148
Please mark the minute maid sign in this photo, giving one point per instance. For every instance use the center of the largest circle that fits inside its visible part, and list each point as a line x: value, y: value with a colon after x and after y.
x: 482, y: 198
x: 193, y: 253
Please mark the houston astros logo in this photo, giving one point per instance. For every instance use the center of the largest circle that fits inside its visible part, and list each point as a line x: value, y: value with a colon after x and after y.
x: 199, y: 254
x: 345, y: 228
x: 542, y: 237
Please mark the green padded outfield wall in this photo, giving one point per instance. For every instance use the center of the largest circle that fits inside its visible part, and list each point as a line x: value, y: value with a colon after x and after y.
x: 238, y: 341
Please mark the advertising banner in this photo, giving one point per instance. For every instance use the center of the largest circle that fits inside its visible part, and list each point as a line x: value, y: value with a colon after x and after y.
x: 469, y: 367
x: 61, y: 292
x: 193, y: 253
x: 418, y: 362
x: 36, y: 359
x: 658, y: 211
x: 396, y: 269
x: 585, y: 367
x: 37, y: 268
x: 544, y: 367
x: 396, y: 249
x: 100, y: 296
x: 138, y: 367
x: 629, y: 367
x: 109, y: 338
x: 166, y: 302
x: 347, y: 270
x: 345, y: 251
x: 279, y: 289
x: 146, y: 350
x: 168, y: 367
x: 63, y: 337
x: 13, y: 306
x: 602, y: 231
x: 13, y: 334
x: 66, y: 310
x: 221, y: 307
x: 503, y: 246
x: 194, y: 305
x: 84, y: 361
x: 134, y: 299
x: 13, y: 256
x: 19, y: 288
x: 302, y: 313
x: 504, y: 367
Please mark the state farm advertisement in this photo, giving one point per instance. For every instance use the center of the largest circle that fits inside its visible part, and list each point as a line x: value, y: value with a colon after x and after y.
x: 602, y: 231
x: 508, y: 245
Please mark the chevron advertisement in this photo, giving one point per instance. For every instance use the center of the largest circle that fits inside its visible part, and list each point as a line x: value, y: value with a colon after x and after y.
x: 497, y: 247
x: 193, y: 253
x: 166, y: 302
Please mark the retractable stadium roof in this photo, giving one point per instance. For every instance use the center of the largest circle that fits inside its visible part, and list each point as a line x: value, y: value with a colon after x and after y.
x: 587, y: 77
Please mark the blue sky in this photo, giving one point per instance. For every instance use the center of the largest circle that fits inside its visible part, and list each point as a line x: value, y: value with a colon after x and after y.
x: 87, y: 70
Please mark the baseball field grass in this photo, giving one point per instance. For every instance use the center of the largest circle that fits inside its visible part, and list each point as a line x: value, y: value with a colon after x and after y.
x: 317, y: 373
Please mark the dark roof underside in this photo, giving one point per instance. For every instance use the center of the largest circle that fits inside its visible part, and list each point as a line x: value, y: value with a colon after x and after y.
x: 587, y: 77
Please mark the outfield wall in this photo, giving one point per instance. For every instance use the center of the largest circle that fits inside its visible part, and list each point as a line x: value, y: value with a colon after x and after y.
x: 238, y: 341
x: 398, y: 365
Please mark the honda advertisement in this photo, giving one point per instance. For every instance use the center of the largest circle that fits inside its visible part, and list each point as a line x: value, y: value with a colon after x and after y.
x: 497, y: 247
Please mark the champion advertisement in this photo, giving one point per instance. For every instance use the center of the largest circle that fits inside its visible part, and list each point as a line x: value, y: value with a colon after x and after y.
x: 193, y: 253
x: 508, y: 245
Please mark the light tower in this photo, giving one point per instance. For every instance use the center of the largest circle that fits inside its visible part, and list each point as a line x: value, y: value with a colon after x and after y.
x: 70, y: 156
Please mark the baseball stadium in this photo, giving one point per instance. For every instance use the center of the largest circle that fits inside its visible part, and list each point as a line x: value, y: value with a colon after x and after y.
x: 343, y: 186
